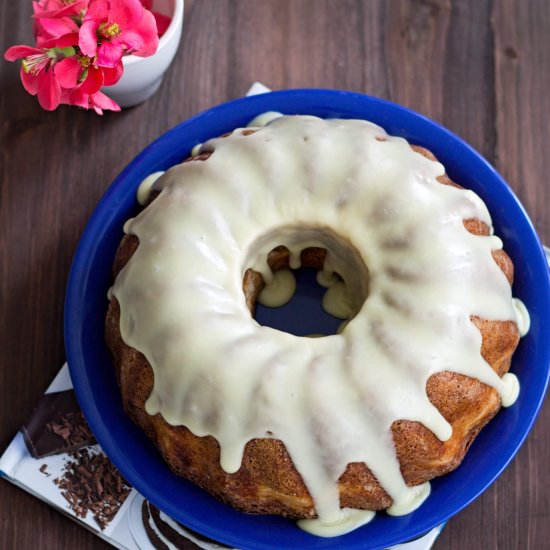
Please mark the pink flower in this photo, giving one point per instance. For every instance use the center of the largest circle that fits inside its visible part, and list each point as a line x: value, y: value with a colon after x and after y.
x: 37, y: 74
x: 111, y: 29
x: 79, y: 49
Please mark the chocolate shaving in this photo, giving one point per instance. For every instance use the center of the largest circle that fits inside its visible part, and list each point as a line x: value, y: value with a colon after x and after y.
x: 91, y: 483
x: 44, y: 470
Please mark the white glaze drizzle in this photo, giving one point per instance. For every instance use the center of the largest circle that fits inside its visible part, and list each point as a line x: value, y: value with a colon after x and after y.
x: 196, y: 149
x: 301, y: 182
x: 146, y: 186
x: 348, y: 521
x: 264, y: 119
x: 280, y: 290
x: 338, y: 302
x: 522, y: 316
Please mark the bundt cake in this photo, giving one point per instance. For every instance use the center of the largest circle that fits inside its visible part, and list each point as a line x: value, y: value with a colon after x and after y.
x: 325, y: 430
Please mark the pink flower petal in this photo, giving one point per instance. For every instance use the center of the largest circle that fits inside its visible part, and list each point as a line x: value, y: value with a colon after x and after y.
x: 147, y: 29
x: 97, y: 101
x: 53, y: 28
x: 67, y: 72
x: 100, y: 101
x: 109, y: 54
x: 30, y: 82
x: 87, y: 37
x: 147, y: 4
x: 130, y: 41
x: 70, y: 39
x: 93, y: 81
x: 49, y: 91
x: 65, y: 96
x: 98, y: 9
x: 20, y: 52
x: 61, y: 9
x: 78, y: 98
x: 126, y: 13
x: 162, y: 21
x: 112, y: 75
x: 36, y: 7
x: 39, y: 33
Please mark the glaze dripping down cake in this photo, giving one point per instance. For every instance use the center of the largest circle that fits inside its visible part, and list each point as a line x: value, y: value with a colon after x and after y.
x: 325, y: 430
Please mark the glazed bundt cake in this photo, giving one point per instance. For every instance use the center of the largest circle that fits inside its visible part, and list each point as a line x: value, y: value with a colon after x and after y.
x: 325, y: 430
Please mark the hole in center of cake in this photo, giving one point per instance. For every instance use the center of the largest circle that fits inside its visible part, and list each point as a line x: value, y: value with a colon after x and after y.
x: 311, y: 284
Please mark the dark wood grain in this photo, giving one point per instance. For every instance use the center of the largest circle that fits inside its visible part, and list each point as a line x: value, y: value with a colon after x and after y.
x: 514, y: 512
x: 480, y: 67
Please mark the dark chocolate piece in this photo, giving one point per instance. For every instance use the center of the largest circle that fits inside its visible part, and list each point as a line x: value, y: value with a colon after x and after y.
x: 56, y: 425
x: 91, y: 483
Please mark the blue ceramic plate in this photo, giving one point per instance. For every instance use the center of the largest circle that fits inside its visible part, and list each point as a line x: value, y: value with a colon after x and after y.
x: 135, y: 456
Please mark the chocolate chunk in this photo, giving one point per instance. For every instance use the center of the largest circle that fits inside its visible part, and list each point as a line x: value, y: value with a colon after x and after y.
x: 56, y: 425
x: 91, y: 483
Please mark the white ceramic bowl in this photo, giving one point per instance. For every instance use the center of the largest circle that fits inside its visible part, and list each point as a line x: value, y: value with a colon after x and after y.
x: 143, y: 76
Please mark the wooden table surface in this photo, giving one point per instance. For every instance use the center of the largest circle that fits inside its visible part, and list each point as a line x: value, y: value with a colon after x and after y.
x: 481, y: 68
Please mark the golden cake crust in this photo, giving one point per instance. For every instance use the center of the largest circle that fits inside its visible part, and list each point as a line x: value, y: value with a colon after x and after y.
x: 267, y: 481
